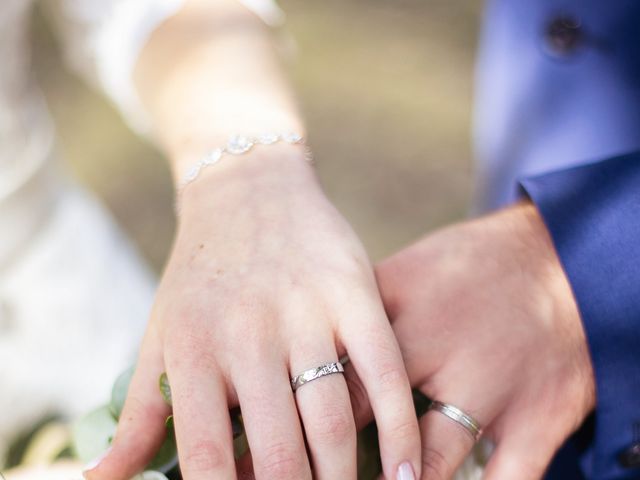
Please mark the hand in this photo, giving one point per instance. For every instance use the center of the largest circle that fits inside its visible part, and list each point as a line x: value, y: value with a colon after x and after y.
x: 265, y: 280
x: 486, y: 321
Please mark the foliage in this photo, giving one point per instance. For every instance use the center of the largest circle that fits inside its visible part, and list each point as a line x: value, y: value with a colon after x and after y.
x: 93, y: 433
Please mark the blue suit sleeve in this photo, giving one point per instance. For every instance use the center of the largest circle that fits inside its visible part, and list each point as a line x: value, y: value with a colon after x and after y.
x: 593, y: 215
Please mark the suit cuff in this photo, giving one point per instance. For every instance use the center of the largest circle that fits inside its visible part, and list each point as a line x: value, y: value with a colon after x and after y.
x: 593, y: 215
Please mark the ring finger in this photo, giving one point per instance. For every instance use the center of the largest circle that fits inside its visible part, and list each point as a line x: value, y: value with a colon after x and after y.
x: 445, y: 444
x: 325, y: 409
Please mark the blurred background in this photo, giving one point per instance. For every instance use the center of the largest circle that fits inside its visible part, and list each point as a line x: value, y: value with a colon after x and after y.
x: 385, y: 87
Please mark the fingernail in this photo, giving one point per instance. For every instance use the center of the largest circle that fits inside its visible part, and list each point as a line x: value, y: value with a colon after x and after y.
x: 96, y: 461
x: 405, y: 472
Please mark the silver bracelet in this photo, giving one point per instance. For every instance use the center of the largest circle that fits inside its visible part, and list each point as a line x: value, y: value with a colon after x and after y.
x: 237, y: 145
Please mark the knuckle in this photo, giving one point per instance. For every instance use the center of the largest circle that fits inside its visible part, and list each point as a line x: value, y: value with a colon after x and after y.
x: 190, y: 350
x: 189, y: 338
x: 434, y: 464
x: 281, y: 460
x: 391, y: 377
x: 387, y: 369
x: 205, y: 456
x: 185, y: 313
x: 404, y: 431
x: 350, y: 269
x: 333, y: 428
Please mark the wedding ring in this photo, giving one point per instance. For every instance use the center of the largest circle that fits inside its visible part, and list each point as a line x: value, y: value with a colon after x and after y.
x: 315, y: 373
x: 458, y: 416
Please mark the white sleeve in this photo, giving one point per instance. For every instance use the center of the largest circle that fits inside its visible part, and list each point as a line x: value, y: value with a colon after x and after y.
x: 102, y: 39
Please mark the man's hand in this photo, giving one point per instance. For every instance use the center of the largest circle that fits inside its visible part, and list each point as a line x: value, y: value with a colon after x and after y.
x: 486, y: 321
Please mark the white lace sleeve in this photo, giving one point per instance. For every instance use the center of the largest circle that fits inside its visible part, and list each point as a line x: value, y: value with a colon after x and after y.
x: 102, y: 39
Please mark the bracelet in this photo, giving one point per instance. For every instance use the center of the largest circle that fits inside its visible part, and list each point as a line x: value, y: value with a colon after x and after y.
x: 237, y: 145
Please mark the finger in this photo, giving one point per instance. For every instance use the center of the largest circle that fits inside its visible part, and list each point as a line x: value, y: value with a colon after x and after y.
x: 378, y: 362
x: 271, y: 419
x: 141, y: 428
x: 362, y: 413
x: 326, y: 413
x: 445, y: 444
x: 201, y: 417
x: 525, y: 455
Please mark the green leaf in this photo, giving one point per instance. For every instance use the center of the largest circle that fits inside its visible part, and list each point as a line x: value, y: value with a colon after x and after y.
x: 240, y: 443
x: 240, y: 446
x: 165, y: 388
x: 92, y: 433
x: 236, y: 423
x: 119, y: 391
x: 167, y: 457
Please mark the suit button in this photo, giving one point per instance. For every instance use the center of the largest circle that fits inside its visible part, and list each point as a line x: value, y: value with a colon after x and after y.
x: 563, y: 35
x: 630, y: 458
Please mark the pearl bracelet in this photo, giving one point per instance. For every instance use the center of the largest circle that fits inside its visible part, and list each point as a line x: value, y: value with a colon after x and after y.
x: 237, y: 145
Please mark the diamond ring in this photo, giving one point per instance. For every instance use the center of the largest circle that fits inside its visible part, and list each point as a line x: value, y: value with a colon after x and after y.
x: 315, y: 373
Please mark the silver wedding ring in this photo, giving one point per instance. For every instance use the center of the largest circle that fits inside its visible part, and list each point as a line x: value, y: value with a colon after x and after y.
x: 454, y: 413
x: 315, y: 373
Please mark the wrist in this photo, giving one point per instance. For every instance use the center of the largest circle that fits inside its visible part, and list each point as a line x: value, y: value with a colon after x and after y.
x: 192, y: 153
x: 549, y: 273
x: 265, y: 170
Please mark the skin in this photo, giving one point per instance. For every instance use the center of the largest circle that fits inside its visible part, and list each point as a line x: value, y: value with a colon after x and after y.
x: 486, y: 321
x: 265, y: 279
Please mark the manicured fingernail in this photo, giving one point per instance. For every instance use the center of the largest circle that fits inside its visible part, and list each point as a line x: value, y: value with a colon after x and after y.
x: 405, y: 472
x: 96, y: 461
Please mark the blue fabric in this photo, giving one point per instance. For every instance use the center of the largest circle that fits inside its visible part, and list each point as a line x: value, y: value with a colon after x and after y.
x: 536, y: 111
x: 559, y: 122
x: 593, y: 215
x: 566, y: 464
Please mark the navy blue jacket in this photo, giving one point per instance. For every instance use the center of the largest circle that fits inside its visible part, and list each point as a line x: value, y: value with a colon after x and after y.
x: 558, y: 117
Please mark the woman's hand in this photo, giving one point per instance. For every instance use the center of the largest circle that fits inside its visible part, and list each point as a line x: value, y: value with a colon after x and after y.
x: 486, y: 321
x: 265, y: 281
